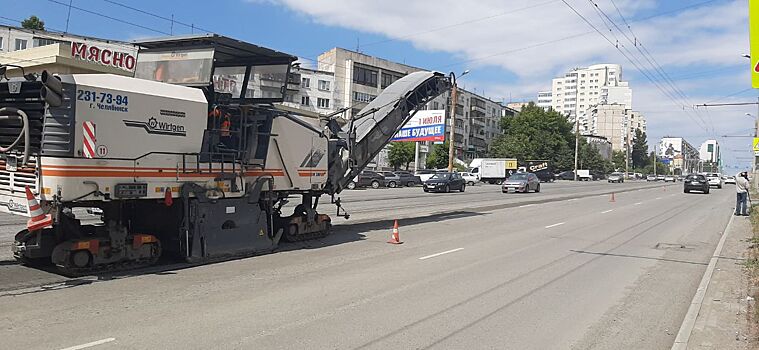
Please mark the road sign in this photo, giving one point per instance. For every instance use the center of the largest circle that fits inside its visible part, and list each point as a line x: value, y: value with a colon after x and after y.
x: 753, y: 26
x: 756, y: 144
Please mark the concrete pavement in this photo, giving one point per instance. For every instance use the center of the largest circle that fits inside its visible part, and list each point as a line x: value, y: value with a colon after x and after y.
x: 560, y: 269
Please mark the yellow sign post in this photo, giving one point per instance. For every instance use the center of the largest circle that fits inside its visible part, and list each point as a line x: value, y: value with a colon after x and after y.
x: 756, y: 145
x: 753, y: 28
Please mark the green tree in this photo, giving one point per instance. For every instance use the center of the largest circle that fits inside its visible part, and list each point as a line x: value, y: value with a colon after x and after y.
x: 34, y: 23
x: 639, y: 150
x: 535, y: 133
x: 590, y: 158
x: 401, y: 153
x: 618, y: 160
x: 438, y: 158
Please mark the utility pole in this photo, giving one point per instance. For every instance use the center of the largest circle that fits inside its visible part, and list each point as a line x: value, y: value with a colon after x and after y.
x: 627, y: 149
x: 454, y: 101
x: 654, y: 163
x: 451, y: 136
x: 577, y: 143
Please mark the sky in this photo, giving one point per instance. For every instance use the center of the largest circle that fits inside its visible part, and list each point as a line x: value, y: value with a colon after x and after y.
x: 675, y: 53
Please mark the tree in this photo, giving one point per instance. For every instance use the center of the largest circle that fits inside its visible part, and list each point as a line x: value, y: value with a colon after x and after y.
x: 34, y: 23
x: 590, y: 158
x: 438, y: 158
x: 618, y: 160
x: 639, y: 150
x: 535, y: 133
x: 401, y: 153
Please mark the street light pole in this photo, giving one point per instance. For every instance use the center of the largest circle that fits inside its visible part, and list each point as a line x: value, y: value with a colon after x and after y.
x: 577, y: 143
x: 452, y: 134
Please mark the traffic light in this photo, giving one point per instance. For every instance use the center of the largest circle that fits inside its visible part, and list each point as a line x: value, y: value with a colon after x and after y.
x: 52, y: 90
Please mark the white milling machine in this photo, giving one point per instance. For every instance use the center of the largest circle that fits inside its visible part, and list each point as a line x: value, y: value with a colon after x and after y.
x: 189, y: 158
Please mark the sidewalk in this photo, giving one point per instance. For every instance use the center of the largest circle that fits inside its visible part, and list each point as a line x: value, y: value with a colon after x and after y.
x: 721, y: 321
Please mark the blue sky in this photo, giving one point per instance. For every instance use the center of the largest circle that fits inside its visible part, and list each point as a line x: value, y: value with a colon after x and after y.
x: 513, y: 48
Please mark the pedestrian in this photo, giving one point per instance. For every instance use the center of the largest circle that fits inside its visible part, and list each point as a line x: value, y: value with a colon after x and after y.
x: 741, y: 187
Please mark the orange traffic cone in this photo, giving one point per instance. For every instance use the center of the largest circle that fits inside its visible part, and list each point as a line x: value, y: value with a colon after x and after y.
x: 611, y: 199
x: 395, y: 238
x: 39, y: 219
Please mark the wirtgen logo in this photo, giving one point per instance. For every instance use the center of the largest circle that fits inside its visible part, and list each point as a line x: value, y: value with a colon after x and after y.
x: 14, y: 206
x: 156, y: 127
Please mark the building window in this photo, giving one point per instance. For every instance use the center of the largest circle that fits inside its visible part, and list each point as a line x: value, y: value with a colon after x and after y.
x: 304, y: 100
x: 363, y: 97
x: 20, y: 44
x: 364, y: 76
x: 324, y: 85
x: 1, y: 43
x: 435, y: 105
x: 288, y: 98
x: 306, y: 83
x: 322, y: 102
x: 388, y: 79
x: 44, y: 42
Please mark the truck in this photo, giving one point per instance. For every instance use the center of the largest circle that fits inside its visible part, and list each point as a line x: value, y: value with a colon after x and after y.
x: 584, y: 175
x: 493, y: 170
x: 191, y: 158
x: 541, y: 168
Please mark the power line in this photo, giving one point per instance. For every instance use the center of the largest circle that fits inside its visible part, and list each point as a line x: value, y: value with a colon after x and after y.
x: 109, y: 17
x: 730, y: 95
x: 172, y: 20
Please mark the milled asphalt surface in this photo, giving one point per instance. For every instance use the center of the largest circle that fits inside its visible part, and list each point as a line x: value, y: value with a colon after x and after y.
x: 563, y: 268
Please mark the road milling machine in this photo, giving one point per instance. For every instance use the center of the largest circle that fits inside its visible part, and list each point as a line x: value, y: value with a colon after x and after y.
x: 190, y: 158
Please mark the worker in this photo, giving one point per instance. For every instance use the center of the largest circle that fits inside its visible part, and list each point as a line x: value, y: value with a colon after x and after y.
x: 741, y: 187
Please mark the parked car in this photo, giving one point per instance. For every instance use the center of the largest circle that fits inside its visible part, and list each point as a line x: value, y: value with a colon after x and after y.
x: 714, y: 179
x: 729, y: 180
x: 470, y: 178
x: 425, y: 174
x: 696, y: 182
x: 616, y: 177
x: 367, y: 178
x: 566, y: 175
x: 650, y: 178
x: 521, y: 182
x: 597, y: 175
x: 669, y: 178
x: 445, y: 182
x: 408, y: 178
x: 659, y: 177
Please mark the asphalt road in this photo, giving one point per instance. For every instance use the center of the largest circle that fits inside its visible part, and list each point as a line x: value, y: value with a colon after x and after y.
x: 564, y: 268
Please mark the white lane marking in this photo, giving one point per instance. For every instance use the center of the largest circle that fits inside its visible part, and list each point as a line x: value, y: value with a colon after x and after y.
x: 639, y: 203
x: 90, y: 344
x: 607, y: 211
x: 554, y: 225
x: 572, y: 200
x: 657, y: 198
x: 526, y: 205
x: 441, y: 253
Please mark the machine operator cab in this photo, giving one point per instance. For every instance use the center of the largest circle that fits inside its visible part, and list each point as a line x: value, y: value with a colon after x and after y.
x: 240, y: 81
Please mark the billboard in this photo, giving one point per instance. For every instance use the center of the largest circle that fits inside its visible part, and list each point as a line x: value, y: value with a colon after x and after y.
x: 424, y: 126
x: 753, y: 28
x: 671, y: 148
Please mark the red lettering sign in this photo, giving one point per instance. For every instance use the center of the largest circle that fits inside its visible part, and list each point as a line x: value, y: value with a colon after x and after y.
x: 756, y: 69
x: 103, y: 56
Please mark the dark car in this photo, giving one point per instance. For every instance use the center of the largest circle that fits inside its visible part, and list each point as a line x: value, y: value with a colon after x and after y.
x: 598, y: 175
x: 566, y: 175
x: 696, y: 182
x: 407, y: 178
x: 521, y: 182
x: 367, y: 178
x: 445, y: 182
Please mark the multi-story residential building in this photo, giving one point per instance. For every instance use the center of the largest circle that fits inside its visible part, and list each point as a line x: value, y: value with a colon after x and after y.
x: 38, y: 50
x: 679, y: 155
x: 602, y: 144
x: 579, y: 90
x: 359, y: 78
x: 709, y: 151
x: 312, y: 90
x: 616, y: 123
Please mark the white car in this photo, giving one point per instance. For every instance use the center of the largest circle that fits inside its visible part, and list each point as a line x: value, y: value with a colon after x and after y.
x: 425, y: 174
x: 669, y: 178
x: 470, y: 178
x: 714, y: 179
x: 729, y: 179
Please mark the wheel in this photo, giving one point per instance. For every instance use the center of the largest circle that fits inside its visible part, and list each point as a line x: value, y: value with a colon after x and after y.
x: 686, y: 191
x: 426, y: 190
x: 720, y: 187
x: 537, y: 189
x: 707, y: 191
x: 81, y: 259
x: 463, y: 187
x: 390, y: 184
x: 470, y: 183
x: 375, y: 184
x: 447, y: 189
x: 351, y: 185
x: 410, y: 184
x: 504, y: 191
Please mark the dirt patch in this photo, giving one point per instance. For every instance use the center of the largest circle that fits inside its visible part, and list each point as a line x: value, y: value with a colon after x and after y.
x: 751, y: 265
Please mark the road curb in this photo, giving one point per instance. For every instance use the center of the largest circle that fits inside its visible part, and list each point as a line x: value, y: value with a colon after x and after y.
x: 686, y: 328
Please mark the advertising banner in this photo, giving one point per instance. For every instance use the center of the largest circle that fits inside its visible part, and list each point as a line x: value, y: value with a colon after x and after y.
x: 423, y: 126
